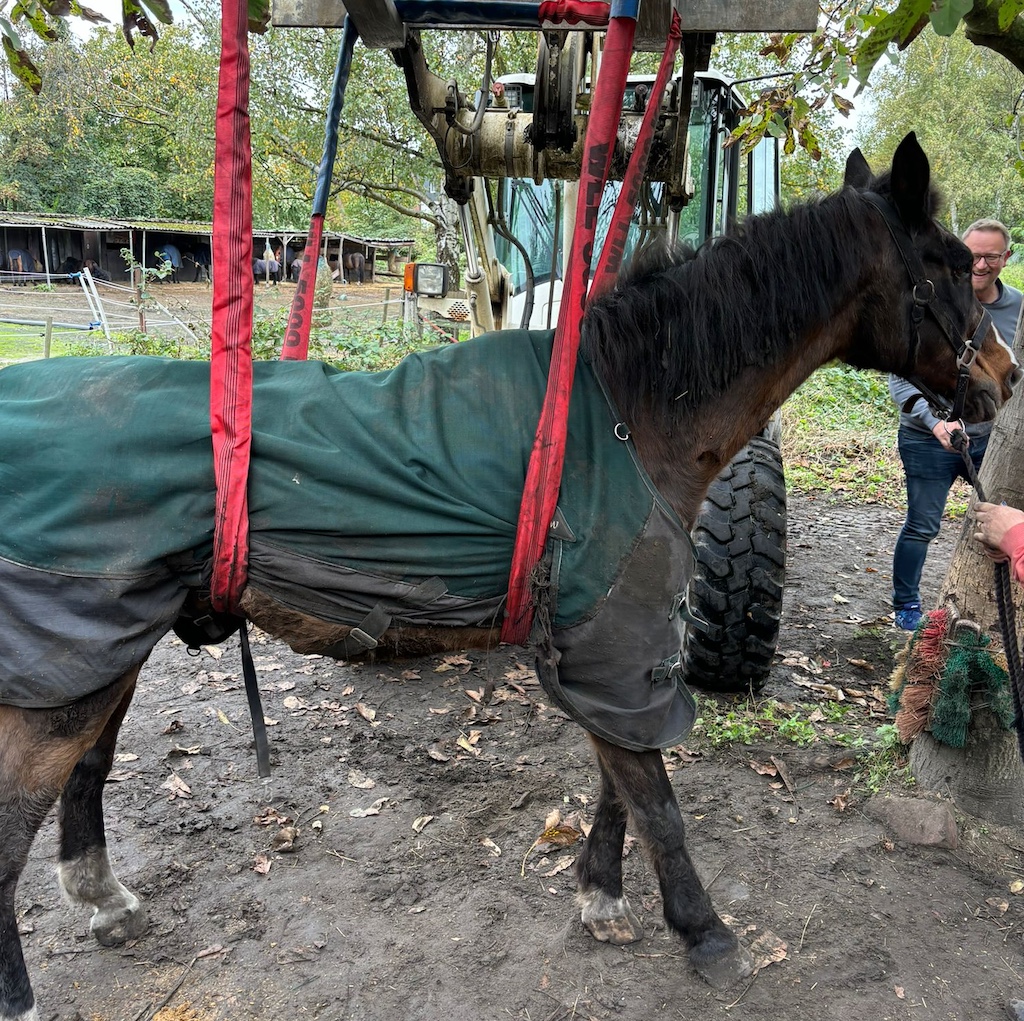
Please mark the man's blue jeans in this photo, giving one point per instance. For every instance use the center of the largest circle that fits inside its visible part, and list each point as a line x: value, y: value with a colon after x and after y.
x: 931, y: 471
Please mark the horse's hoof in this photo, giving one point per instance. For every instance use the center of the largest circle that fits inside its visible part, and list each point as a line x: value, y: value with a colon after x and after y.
x: 610, y: 919
x: 112, y: 928
x: 721, y: 961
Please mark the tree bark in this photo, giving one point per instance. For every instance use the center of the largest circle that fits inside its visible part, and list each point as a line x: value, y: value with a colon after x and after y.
x: 985, y: 778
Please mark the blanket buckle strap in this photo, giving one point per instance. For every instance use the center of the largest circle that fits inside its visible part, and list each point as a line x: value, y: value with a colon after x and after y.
x: 687, y: 614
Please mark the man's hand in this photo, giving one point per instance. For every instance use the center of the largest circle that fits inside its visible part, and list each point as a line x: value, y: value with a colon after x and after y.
x: 943, y: 432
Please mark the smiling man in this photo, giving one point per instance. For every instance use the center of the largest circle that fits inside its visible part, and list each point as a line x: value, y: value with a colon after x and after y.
x: 989, y: 242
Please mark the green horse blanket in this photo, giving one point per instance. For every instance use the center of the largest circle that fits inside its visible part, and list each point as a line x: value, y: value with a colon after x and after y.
x: 388, y: 496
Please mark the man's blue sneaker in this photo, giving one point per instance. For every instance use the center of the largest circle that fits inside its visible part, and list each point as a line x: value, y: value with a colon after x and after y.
x: 908, y: 616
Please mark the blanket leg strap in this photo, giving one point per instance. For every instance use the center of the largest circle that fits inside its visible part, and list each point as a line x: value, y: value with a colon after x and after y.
x: 252, y: 693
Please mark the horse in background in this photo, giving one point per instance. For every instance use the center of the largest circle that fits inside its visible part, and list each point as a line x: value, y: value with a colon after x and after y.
x: 96, y: 271
x: 20, y: 263
x: 354, y: 265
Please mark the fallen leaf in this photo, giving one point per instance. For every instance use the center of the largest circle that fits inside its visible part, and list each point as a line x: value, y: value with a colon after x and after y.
x: 374, y: 809
x: 767, y: 949
x: 261, y: 864
x: 467, y: 742
x: 435, y: 752
x: 270, y: 816
x: 764, y: 769
x: 213, y: 650
x: 1017, y: 886
x: 997, y: 905
x: 284, y: 839
x: 126, y: 757
x: 173, y: 727
x: 492, y: 847
x: 862, y: 663
x: 837, y: 598
x: 561, y: 864
x: 223, y: 717
x: 420, y: 823
x: 369, y: 714
x: 476, y: 696
x: 841, y: 802
x: 177, y: 787
x: 900, y: 992
x: 360, y: 780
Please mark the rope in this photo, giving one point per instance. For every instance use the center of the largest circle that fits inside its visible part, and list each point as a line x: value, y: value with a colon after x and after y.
x: 1004, y: 601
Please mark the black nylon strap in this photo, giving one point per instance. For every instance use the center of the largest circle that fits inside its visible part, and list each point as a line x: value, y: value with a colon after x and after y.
x: 252, y: 693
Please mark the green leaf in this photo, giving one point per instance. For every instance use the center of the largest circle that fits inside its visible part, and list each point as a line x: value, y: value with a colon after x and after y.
x: 947, y: 14
x: 36, y: 17
x: 21, y: 64
x: 259, y: 16
x: 1009, y: 10
x: 160, y: 9
x: 895, y: 26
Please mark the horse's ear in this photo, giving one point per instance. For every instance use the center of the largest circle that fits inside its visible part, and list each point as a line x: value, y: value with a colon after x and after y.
x: 911, y: 176
x: 858, y: 173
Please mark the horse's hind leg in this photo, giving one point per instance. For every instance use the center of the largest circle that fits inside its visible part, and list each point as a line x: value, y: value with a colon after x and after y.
x: 640, y: 787
x: 85, y: 874
x: 38, y: 751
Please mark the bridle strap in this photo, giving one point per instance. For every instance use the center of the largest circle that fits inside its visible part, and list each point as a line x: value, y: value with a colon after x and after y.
x: 923, y: 294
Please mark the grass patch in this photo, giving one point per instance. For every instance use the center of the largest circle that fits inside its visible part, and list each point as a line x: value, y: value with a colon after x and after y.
x: 879, y: 759
x: 839, y: 437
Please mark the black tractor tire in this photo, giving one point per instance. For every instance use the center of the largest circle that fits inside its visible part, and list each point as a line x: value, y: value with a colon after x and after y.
x: 737, y: 585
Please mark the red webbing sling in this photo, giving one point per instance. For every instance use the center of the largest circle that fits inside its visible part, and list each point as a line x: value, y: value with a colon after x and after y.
x: 540, y: 493
x: 615, y: 240
x: 231, y: 349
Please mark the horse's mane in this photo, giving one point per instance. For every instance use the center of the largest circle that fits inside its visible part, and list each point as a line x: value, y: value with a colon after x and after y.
x: 681, y: 324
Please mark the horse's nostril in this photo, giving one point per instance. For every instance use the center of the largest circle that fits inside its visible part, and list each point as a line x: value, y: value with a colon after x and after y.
x: 1015, y: 377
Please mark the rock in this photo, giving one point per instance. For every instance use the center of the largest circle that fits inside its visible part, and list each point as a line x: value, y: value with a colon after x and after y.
x: 916, y: 820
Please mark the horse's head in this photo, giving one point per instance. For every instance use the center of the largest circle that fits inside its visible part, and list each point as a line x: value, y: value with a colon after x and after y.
x: 945, y: 342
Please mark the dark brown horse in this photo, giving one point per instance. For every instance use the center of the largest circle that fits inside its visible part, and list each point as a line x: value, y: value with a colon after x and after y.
x: 691, y: 354
x: 354, y: 265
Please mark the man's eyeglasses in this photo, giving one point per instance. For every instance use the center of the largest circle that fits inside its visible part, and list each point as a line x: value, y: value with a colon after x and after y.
x: 990, y: 260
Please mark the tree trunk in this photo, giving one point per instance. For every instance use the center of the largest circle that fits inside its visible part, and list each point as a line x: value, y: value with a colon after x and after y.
x: 985, y: 778
x: 446, y: 234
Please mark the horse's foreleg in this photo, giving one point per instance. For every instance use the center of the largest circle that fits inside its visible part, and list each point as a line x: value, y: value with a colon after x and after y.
x: 85, y: 874
x: 641, y: 784
x: 604, y: 909
x: 38, y: 752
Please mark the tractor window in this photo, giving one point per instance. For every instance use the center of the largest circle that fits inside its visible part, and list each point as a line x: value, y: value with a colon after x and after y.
x: 528, y: 210
x: 763, y: 176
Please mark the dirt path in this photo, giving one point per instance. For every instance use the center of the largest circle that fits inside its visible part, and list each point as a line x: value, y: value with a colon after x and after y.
x: 406, y: 897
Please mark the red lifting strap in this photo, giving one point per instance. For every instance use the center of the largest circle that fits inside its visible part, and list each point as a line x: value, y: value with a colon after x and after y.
x: 231, y: 349
x: 618, y: 229
x: 540, y: 493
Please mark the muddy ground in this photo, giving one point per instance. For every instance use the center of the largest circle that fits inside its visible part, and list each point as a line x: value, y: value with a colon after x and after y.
x: 412, y: 891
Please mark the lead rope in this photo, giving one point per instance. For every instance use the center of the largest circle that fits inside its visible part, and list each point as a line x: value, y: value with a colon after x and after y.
x: 1004, y: 601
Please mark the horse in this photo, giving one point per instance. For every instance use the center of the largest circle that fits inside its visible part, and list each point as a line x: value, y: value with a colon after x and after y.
x: 679, y: 364
x: 354, y: 264
x: 266, y: 270
x: 21, y: 263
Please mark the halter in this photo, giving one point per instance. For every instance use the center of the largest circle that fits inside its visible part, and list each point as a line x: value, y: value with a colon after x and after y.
x: 923, y: 291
